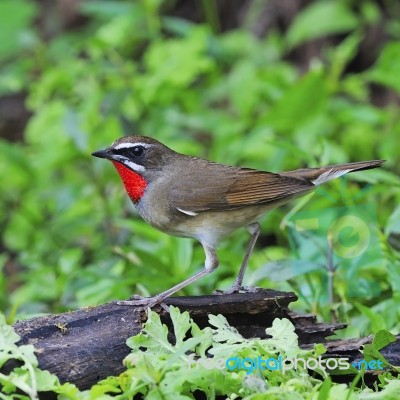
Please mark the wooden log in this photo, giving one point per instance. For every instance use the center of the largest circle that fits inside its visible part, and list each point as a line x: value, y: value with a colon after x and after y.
x: 87, y: 345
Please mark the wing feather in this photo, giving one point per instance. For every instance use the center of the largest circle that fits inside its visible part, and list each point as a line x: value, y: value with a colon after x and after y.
x: 222, y: 187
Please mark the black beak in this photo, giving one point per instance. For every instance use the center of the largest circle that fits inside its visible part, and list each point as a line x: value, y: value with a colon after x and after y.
x: 102, y: 153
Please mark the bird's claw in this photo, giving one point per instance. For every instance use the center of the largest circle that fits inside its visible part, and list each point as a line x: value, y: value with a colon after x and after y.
x: 143, y: 302
x: 237, y: 289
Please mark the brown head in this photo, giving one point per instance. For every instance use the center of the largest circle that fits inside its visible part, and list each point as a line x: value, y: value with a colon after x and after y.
x: 138, y: 159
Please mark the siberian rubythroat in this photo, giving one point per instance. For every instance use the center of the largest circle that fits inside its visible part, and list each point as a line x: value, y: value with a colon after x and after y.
x: 192, y: 197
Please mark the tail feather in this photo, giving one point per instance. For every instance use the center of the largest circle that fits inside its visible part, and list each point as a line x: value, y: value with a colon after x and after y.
x: 324, y: 174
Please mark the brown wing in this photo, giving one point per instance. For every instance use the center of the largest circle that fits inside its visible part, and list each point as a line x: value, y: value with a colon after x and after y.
x: 222, y: 187
x: 259, y: 187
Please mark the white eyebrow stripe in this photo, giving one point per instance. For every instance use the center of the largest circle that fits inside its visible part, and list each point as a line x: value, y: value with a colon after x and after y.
x: 133, y: 166
x: 129, y: 145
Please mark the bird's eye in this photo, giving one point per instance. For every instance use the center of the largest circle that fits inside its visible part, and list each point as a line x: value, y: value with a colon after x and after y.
x: 137, y: 151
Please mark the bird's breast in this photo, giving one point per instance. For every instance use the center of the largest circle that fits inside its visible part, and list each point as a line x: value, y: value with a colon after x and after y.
x: 135, y: 184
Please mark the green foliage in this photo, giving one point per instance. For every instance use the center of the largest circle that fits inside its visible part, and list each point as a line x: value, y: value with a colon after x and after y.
x: 15, y: 20
x: 27, y: 377
x: 387, y: 64
x: 196, y: 363
x: 320, y: 19
x: 16, y: 17
x: 381, y: 339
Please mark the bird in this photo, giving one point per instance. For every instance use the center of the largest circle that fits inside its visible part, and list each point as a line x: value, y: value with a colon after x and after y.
x: 192, y: 197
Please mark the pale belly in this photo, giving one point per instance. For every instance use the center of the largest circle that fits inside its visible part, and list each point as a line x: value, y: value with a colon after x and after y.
x: 209, y: 227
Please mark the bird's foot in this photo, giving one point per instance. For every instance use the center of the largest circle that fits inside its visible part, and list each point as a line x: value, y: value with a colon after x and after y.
x: 237, y: 289
x: 143, y: 302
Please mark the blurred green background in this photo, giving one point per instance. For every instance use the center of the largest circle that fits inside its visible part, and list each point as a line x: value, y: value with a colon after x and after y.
x: 274, y: 85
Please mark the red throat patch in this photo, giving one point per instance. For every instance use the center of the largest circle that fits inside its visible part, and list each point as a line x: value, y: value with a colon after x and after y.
x: 135, y: 184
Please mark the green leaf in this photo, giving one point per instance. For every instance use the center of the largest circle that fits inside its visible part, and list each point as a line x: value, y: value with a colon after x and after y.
x: 299, y: 104
x: 393, y: 224
x: 15, y: 19
x: 284, y: 336
x: 282, y: 270
x: 26, y: 378
x: 325, y: 389
x: 153, y: 336
x: 105, y: 8
x: 382, y: 338
x: 377, y: 321
x: 343, y: 54
x: 386, y: 69
x: 181, y: 324
x: 206, y: 339
x: 224, y: 332
x: 8, y: 336
x: 46, y: 381
x: 189, y: 345
x: 391, y: 391
x: 181, y: 257
x: 320, y: 19
x: 371, y: 353
x: 319, y: 349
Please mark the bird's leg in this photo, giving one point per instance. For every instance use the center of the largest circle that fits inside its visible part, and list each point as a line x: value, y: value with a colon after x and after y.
x: 254, y: 230
x: 211, y: 265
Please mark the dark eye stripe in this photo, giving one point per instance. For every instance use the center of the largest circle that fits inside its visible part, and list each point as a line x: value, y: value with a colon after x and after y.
x: 131, y: 152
